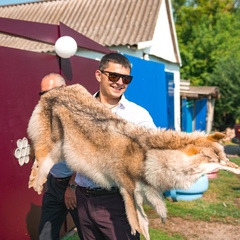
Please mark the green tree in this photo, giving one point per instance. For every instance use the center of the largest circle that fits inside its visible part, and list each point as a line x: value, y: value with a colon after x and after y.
x: 208, y: 34
x: 226, y: 75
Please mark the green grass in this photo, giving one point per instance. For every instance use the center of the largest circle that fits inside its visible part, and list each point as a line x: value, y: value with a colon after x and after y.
x: 73, y: 237
x: 156, y: 235
x: 220, y: 203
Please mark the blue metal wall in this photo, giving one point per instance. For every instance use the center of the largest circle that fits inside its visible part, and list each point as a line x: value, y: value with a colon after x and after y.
x: 149, y: 89
x: 194, y: 115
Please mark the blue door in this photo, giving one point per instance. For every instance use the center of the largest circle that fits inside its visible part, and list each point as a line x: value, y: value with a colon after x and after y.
x: 187, y: 115
x: 201, y: 114
x: 149, y: 89
x: 170, y: 99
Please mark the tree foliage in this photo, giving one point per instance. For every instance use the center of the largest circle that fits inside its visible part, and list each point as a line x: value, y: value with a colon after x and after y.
x: 226, y: 75
x: 209, y: 35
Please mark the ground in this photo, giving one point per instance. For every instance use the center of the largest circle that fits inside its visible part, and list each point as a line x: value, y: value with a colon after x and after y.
x: 198, y: 230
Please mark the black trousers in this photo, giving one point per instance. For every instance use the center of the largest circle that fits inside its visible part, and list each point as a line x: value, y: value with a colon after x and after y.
x: 103, y: 217
x: 54, y: 210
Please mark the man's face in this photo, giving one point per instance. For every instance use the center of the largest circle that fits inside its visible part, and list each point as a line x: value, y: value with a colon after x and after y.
x: 112, y: 89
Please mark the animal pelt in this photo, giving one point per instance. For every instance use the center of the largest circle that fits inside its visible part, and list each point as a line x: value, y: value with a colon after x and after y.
x: 69, y: 123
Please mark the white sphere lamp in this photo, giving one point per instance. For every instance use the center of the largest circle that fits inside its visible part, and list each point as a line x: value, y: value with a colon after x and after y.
x: 65, y: 47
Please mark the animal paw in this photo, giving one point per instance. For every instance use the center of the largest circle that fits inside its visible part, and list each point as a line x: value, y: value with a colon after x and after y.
x: 35, y: 181
x: 163, y: 220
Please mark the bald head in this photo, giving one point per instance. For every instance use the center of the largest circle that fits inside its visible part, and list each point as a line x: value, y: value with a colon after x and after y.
x: 51, y: 81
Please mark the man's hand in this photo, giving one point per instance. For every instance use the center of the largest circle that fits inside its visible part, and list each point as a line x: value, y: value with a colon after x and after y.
x: 70, y: 195
x: 70, y: 198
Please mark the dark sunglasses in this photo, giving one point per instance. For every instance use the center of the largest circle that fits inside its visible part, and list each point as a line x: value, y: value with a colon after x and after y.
x: 114, y: 77
x: 41, y: 93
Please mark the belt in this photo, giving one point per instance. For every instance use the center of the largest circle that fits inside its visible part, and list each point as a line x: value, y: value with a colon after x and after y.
x: 62, y: 179
x: 98, y: 191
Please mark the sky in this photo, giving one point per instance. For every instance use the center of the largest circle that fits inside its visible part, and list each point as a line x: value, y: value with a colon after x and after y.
x: 9, y: 2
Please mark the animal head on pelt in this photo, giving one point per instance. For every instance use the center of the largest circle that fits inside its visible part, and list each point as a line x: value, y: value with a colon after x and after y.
x: 69, y: 123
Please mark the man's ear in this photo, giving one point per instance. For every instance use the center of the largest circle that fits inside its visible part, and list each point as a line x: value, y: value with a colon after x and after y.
x: 98, y: 75
x: 215, y: 137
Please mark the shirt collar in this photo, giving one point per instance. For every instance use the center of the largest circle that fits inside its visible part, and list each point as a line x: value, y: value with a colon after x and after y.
x: 122, y: 102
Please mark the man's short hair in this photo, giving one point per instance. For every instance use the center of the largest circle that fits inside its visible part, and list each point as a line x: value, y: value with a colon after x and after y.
x: 115, y: 58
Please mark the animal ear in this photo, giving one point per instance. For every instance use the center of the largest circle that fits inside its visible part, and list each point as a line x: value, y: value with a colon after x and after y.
x: 215, y: 137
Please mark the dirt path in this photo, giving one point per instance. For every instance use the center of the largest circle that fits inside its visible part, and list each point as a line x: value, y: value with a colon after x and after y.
x: 198, y: 230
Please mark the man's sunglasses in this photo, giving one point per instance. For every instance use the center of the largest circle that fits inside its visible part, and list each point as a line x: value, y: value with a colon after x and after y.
x: 41, y: 93
x: 114, y: 77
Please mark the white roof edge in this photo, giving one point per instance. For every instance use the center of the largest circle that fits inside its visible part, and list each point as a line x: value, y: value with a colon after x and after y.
x: 174, y: 32
x: 143, y: 45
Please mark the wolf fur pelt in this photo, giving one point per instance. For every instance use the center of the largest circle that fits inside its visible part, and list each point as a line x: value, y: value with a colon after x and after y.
x: 69, y: 123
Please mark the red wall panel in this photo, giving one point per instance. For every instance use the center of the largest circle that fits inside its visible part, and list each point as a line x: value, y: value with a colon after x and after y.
x: 21, y: 73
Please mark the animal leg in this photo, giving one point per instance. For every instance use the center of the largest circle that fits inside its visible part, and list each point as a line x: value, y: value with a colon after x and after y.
x: 33, y: 175
x: 155, y: 199
x: 142, y: 217
x: 130, y: 210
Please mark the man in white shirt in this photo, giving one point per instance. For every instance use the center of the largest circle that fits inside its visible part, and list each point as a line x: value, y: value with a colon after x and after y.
x: 102, y: 212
